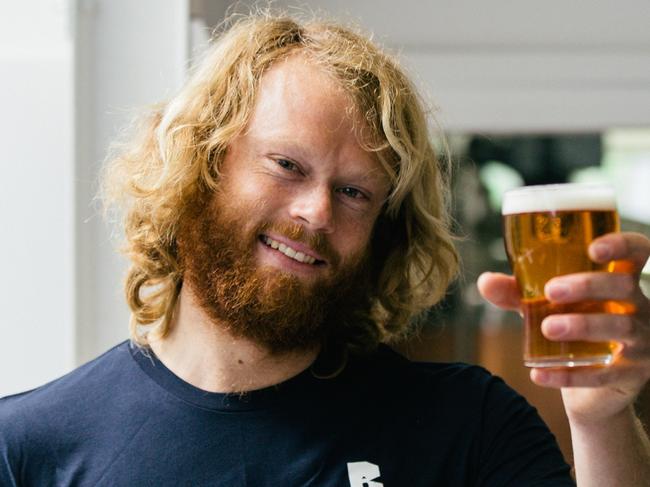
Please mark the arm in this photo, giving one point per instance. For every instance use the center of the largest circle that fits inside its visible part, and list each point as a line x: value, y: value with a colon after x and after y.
x: 610, y: 446
x: 617, y: 450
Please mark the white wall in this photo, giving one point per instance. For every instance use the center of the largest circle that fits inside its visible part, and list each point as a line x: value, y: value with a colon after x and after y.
x: 36, y: 194
x: 73, y: 72
x: 129, y: 55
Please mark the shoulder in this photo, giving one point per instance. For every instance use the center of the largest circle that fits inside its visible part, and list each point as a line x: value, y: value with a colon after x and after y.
x: 468, y: 396
x: 455, y: 378
x: 51, y: 403
x: 503, y: 434
x: 88, y: 374
x: 36, y: 423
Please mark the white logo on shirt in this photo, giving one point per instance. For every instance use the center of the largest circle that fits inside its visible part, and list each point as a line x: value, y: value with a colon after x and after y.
x: 362, y: 474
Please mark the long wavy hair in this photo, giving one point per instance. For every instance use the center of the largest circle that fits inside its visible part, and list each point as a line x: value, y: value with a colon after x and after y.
x: 176, y: 151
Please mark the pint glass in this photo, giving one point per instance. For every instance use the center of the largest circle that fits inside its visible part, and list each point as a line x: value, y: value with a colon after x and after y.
x: 547, y: 230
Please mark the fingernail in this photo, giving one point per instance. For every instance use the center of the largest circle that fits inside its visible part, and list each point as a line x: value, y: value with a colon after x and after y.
x: 601, y: 251
x: 555, y: 327
x: 557, y: 291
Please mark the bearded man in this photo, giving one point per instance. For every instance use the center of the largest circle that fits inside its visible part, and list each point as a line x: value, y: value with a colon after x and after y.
x: 285, y: 218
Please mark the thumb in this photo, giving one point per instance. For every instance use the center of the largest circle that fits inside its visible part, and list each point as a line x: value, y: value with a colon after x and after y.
x: 500, y: 290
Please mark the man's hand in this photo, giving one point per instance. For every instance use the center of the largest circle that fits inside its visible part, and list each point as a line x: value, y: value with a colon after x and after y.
x: 594, y: 394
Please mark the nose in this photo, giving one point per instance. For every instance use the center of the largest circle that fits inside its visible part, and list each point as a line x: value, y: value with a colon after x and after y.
x: 313, y: 209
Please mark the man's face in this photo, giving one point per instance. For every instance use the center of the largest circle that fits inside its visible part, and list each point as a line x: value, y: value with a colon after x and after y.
x: 288, y: 230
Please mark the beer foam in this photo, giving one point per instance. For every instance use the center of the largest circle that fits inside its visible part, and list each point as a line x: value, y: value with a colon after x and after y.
x: 559, y: 197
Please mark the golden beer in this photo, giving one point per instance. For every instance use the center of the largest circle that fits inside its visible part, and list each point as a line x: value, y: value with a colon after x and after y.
x: 547, y: 232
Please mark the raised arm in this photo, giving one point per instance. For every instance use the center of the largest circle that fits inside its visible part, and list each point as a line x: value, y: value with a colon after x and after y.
x: 609, y: 443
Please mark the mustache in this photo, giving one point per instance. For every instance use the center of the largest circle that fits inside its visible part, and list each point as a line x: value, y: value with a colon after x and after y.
x: 316, y: 241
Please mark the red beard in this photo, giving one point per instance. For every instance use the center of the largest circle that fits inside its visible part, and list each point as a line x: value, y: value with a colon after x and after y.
x: 274, y: 309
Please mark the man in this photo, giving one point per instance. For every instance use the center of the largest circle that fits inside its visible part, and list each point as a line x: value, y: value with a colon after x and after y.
x: 285, y: 213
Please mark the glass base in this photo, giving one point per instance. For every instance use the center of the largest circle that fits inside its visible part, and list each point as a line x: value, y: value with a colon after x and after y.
x: 568, y: 361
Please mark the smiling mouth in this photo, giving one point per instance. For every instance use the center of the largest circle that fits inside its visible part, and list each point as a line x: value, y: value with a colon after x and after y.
x: 289, y: 252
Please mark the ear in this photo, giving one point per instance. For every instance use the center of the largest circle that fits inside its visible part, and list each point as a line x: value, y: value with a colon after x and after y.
x: 214, y: 163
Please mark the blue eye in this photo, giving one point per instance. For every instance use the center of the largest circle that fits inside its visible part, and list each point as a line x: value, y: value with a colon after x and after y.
x: 285, y: 164
x: 351, y: 192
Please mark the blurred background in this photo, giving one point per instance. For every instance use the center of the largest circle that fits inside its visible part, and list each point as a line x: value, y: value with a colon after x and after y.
x: 526, y: 92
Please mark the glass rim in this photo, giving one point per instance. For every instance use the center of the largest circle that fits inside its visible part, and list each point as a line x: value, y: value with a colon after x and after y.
x: 559, y: 197
x: 559, y: 187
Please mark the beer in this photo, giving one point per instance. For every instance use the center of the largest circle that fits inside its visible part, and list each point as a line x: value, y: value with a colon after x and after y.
x: 547, y: 232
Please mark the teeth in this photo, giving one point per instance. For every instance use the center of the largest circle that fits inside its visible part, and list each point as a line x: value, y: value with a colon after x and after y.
x: 288, y: 251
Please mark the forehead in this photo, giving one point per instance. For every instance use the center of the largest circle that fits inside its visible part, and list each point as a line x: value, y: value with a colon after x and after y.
x: 296, y: 90
x: 300, y: 98
x: 303, y: 106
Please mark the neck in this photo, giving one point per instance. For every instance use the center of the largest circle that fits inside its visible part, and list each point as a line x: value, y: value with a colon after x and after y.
x: 204, y: 354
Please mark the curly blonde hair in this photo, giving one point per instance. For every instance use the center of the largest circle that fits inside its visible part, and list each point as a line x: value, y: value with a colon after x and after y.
x: 179, y: 146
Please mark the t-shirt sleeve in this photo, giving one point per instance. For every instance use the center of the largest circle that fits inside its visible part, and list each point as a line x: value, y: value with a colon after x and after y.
x: 7, y: 478
x: 8, y: 471
x: 516, y: 446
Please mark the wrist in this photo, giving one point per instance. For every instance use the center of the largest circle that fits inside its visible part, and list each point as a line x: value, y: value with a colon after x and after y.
x: 579, y: 421
x: 612, y: 450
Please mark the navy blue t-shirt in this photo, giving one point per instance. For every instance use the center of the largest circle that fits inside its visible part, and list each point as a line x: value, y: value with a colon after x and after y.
x: 124, y: 419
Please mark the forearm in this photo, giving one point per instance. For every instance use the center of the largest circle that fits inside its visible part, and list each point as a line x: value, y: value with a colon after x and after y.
x: 614, y: 453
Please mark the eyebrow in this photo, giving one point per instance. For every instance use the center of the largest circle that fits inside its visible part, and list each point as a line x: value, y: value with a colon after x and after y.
x: 286, y: 144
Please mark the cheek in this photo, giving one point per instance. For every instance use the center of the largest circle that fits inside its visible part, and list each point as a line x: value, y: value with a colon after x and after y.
x: 247, y: 189
x: 252, y: 193
x: 243, y: 178
x: 353, y: 235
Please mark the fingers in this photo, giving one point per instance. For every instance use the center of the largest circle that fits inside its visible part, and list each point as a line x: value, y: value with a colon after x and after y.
x: 628, y: 323
x: 556, y: 378
x: 591, y: 286
x: 630, y: 331
x: 631, y: 250
x: 499, y: 289
x: 591, y: 327
x: 591, y: 377
x: 632, y: 247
